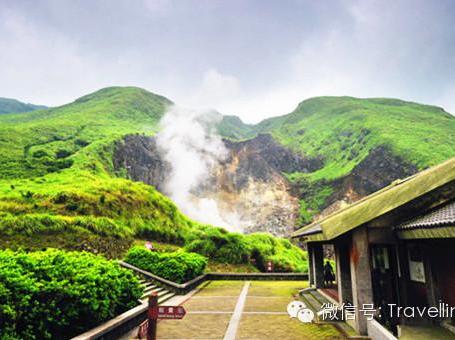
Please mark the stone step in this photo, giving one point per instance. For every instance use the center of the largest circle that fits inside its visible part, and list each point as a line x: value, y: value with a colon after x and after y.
x: 160, y: 292
x: 163, y: 297
x: 153, y: 288
x: 166, y: 297
x: 315, y: 301
x: 312, y: 302
x: 149, y: 286
x: 319, y: 297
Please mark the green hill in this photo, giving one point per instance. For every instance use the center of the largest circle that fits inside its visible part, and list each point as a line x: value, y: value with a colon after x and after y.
x: 8, y: 105
x: 344, y: 130
x: 45, y: 141
x: 347, y: 132
x: 58, y: 187
x: 56, y: 173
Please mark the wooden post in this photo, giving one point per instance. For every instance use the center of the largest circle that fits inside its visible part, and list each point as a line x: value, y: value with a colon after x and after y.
x: 152, y: 316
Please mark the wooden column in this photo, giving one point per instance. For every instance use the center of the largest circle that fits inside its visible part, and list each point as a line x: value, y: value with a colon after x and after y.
x: 343, y: 272
x: 310, y: 264
x: 318, y: 265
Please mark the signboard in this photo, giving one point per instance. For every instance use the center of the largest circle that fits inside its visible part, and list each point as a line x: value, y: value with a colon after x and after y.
x: 171, y: 312
x: 166, y: 312
x: 147, y: 330
x: 417, y: 271
x: 416, y: 266
x: 143, y: 328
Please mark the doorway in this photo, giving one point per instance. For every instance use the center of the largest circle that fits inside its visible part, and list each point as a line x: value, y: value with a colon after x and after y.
x: 385, y: 283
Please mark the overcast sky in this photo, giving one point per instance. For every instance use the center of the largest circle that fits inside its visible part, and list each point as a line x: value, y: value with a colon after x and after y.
x: 250, y: 58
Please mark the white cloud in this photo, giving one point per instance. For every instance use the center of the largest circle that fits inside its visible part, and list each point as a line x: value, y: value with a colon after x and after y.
x: 221, y: 57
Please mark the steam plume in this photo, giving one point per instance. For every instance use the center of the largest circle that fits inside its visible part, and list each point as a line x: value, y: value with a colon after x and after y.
x: 188, y: 141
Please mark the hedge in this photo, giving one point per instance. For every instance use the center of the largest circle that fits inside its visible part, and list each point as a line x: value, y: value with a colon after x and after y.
x: 54, y: 294
x: 179, y: 266
x: 259, y: 248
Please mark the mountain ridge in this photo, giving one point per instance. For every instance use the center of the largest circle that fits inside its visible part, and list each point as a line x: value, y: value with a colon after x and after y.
x: 49, y: 150
x: 10, y: 105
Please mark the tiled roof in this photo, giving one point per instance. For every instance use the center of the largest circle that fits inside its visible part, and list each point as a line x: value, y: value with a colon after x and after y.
x: 439, y: 217
x: 384, y: 201
x: 311, y: 229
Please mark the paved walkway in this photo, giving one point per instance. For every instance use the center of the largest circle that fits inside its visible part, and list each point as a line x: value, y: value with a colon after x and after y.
x: 234, y: 310
x: 231, y: 332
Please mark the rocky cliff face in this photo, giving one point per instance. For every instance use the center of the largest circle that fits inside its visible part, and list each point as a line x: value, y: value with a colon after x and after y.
x: 140, y: 157
x: 379, y: 169
x: 250, y: 183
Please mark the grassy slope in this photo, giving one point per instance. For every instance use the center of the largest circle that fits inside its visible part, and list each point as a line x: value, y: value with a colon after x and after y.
x: 41, y: 141
x: 57, y: 186
x: 56, y: 171
x: 8, y: 105
x: 343, y: 130
x: 232, y: 127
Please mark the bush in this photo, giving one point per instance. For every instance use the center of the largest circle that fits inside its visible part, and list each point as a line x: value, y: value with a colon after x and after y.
x: 58, y: 294
x: 284, y: 256
x: 220, y: 245
x: 179, y: 266
x: 259, y: 248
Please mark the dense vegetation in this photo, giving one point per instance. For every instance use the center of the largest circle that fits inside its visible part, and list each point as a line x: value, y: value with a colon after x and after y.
x: 55, y: 294
x: 8, y: 105
x: 178, y: 266
x: 258, y: 248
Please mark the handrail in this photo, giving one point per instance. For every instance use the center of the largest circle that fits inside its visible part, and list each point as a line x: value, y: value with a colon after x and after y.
x: 185, y: 287
x: 173, y: 286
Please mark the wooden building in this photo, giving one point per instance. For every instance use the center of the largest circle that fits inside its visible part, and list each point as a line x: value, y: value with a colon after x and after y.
x: 394, y: 248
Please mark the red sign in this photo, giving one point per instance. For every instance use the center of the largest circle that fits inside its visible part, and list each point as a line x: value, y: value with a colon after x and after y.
x: 142, y: 332
x: 171, y: 312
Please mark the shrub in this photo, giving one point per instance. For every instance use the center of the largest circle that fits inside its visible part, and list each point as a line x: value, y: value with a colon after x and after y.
x: 58, y: 294
x: 220, y: 245
x: 260, y: 248
x: 284, y: 256
x: 179, y: 266
x: 62, y: 153
x: 40, y: 154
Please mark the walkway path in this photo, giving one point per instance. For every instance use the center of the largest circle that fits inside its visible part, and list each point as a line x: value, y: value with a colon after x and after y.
x: 234, y: 310
x: 235, y: 319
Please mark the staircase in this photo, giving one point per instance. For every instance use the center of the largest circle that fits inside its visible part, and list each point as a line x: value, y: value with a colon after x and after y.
x: 315, y: 301
x: 150, y: 286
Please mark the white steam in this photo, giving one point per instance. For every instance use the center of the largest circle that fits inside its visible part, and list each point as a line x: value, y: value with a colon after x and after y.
x: 189, y: 143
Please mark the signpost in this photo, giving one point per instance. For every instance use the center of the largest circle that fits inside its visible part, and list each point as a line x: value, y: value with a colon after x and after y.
x: 148, y: 328
x: 269, y: 266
